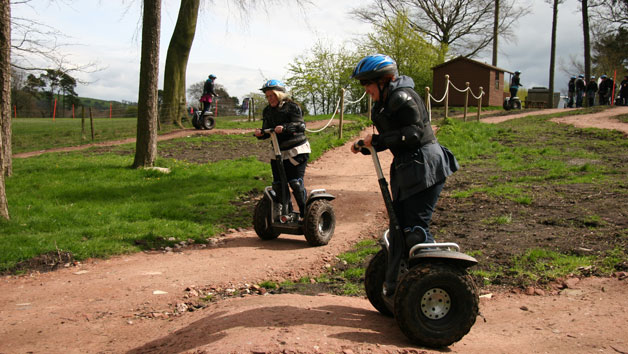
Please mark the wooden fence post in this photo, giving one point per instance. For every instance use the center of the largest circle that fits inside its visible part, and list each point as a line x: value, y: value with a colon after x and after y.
x: 466, y: 100
x: 91, y: 121
x: 82, y: 122
x: 446, y: 95
x: 428, y: 102
x: 342, y: 111
x: 480, y: 102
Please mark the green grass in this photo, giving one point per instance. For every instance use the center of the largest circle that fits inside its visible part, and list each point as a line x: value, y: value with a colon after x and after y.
x: 94, y: 205
x: 543, y: 265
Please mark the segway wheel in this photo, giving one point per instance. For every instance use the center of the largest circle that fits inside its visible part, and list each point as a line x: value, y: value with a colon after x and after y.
x: 506, y: 104
x: 374, y: 278
x: 195, y: 122
x: 208, y: 122
x: 319, y: 223
x: 516, y: 104
x: 436, y: 304
x: 262, y: 220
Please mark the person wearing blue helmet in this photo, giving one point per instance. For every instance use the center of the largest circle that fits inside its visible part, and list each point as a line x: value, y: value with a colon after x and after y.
x: 571, y: 91
x: 286, y: 118
x: 420, y: 165
x: 208, y: 93
x: 606, y: 90
x: 515, y: 84
x: 591, y: 91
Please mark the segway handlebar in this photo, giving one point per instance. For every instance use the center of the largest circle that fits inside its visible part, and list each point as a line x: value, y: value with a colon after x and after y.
x: 359, y: 145
x: 273, y: 138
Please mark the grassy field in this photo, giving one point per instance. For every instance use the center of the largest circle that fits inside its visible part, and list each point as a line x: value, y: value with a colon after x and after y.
x: 91, y: 204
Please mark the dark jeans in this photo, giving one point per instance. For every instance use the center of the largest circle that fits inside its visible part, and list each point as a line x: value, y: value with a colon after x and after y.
x: 579, y: 98
x: 293, y: 173
x: 417, y: 209
x: 206, y: 107
x: 513, y: 91
x: 591, y: 98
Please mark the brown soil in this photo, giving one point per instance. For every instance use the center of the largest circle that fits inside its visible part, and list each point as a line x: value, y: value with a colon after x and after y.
x: 151, y: 302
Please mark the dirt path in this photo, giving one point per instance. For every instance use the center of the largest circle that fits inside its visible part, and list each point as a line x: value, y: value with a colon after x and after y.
x: 125, y: 304
x: 600, y: 120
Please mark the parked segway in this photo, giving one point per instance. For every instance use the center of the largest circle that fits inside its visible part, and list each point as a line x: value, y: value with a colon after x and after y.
x: 436, y: 301
x: 273, y: 217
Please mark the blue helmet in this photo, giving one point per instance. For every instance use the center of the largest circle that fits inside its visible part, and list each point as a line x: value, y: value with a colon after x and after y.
x: 581, y: 76
x: 573, y: 76
x: 274, y: 85
x: 517, y: 72
x: 374, y: 66
x: 212, y: 76
x: 603, y: 76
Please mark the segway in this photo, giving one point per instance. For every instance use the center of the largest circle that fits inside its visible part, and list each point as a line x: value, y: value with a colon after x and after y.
x: 206, y: 122
x: 273, y: 217
x: 435, y: 302
x: 512, y: 103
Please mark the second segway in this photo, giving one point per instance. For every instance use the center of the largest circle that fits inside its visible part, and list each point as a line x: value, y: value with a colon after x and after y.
x: 273, y: 217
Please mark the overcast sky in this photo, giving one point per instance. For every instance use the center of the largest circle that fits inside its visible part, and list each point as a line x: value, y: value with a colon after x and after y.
x: 242, y: 52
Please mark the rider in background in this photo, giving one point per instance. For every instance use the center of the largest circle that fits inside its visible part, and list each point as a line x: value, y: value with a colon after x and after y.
x: 286, y: 118
x: 514, y: 85
x: 591, y: 90
x: 420, y: 165
x: 571, y: 91
x: 208, y: 93
x: 580, y: 87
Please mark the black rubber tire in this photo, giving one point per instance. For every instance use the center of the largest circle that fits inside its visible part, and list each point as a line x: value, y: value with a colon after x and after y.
x: 506, y: 105
x: 374, y: 278
x: 208, y: 123
x: 262, y: 220
x: 516, y: 104
x: 319, y: 223
x: 443, y: 284
x: 195, y: 121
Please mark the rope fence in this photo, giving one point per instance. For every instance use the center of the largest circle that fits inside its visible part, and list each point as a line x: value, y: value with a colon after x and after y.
x: 445, y: 98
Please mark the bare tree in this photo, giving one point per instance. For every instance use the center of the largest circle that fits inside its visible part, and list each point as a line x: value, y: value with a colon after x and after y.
x: 584, y: 7
x: 555, y: 3
x: 462, y: 26
x: 35, y: 47
x: 5, y: 93
x: 495, y: 32
x: 176, y: 63
x: 146, y: 143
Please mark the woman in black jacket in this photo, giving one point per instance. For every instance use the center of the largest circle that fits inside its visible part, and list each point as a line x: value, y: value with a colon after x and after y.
x: 420, y: 165
x: 286, y: 118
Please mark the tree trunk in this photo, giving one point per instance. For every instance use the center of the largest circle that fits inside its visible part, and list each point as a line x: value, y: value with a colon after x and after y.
x: 495, y: 32
x: 6, y: 161
x: 550, y: 99
x: 587, y: 40
x: 174, y: 97
x: 146, y: 144
x: 5, y: 97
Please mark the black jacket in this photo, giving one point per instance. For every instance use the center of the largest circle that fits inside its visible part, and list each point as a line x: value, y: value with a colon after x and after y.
x: 571, y: 86
x: 580, y: 85
x: 289, y: 115
x: 592, y: 87
x: 208, y: 88
x: 404, y: 127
